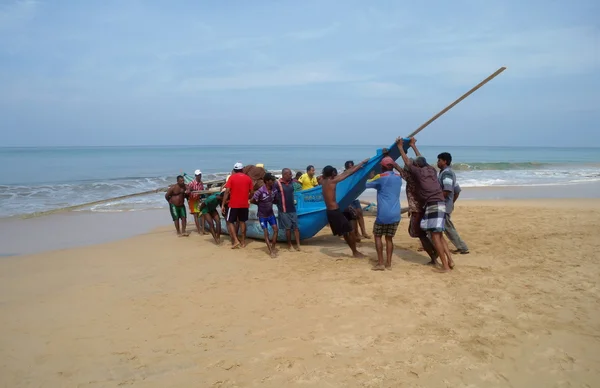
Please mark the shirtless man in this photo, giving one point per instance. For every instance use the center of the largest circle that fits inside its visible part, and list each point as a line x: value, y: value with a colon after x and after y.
x: 340, y: 226
x: 175, y: 196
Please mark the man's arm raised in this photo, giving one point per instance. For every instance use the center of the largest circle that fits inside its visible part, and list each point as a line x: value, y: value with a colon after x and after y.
x: 413, y: 144
x: 400, y: 142
x: 349, y: 172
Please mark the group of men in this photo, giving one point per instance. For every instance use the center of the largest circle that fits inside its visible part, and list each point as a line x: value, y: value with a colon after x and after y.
x: 430, y: 197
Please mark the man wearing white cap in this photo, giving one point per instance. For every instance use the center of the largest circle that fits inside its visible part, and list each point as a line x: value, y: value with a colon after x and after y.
x: 194, y: 200
x: 237, y: 190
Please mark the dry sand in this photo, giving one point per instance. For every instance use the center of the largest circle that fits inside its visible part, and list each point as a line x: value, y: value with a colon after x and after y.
x: 521, y: 310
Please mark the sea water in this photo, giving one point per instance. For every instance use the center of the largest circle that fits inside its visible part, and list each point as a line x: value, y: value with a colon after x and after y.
x: 47, y: 178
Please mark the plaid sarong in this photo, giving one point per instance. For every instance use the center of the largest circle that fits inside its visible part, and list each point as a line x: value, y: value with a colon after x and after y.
x: 434, y: 217
x: 388, y: 230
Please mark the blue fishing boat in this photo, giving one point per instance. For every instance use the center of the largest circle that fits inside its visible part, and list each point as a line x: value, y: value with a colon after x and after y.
x: 310, y: 207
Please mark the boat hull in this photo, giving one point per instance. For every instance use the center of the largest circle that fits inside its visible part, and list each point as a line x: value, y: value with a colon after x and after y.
x: 311, y: 210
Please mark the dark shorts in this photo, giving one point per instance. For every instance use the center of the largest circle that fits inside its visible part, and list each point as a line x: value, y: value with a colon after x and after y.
x: 237, y: 214
x: 338, y: 222
x: 288, y: 221
x: 177, y: 212
x: 388, y: 230
x: 266, y: 221
x: 350, y: 214
x: 356, y: 204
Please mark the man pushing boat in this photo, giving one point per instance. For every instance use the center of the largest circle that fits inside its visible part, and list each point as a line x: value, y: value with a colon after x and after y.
x: 340, y: 226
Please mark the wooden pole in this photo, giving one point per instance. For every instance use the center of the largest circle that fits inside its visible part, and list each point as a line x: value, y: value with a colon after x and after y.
x: 467, y: 94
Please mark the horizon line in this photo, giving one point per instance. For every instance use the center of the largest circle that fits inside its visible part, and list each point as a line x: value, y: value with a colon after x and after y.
x: 282, y: 145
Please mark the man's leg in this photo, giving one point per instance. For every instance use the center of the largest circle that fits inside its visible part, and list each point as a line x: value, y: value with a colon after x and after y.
x: 267, y: 240
x: 297, y: 236
x: 274, y: 241
x: 439, y: 247
x: 389, y: 250
x: 183, y: 225
x: 243, y: 228
x: 217, y: 219
x: 351, y: 241
x: 288, y: 236
x: 354, y: 224
x: 201, y: 221
x: 211, y: 227
x: 197, y: 222
x: 379, y: 248
x: 428, y: 247
x: 175, y: 218
x: 231, y: 227
x: 454, y: 237
x: 361, y: 222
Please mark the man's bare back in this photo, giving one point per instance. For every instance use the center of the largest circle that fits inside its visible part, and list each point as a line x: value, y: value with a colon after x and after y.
x: 329, y: 193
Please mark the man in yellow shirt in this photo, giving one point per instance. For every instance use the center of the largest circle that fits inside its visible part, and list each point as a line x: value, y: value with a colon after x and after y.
x: 308, y: 180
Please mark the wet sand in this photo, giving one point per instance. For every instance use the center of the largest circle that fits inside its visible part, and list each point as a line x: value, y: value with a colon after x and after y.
x: 160, y: 311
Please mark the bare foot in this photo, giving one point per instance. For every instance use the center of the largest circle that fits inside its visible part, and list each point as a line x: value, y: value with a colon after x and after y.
x: 378, y: 267
x: 451, y: 264
x: 237, y: 245
x: 291, y: 248
x: 273, y: 254
x: 388, y: 266
x: 297, y: 248
x: 432, y: 262
x: 358, y: 255
x: 366, y: 236
x: 243, y: 245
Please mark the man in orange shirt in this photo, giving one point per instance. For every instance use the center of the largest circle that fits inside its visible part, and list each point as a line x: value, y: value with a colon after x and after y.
x: 238, y: 190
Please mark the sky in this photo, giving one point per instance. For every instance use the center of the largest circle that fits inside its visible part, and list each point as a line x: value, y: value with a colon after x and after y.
x: 134, y: 72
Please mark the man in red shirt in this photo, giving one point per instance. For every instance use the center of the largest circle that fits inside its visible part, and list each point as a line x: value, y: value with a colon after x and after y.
x: 238, y: 190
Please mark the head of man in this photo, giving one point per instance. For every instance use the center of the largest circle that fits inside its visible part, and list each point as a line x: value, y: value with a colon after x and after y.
x: 198, y: 175
x: 298, y: 175
x: 387, y: 164
x: 310, y: 170
x: 269, y: 179
x: 329, y: 172
x: 180, y: 181
x: 238, y: 167
x: 444, y: 160
x: 420, y: 161
x: 286, y: 175
x: 349, y: 164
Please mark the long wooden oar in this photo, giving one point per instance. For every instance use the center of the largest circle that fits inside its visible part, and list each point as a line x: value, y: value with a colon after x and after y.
x: 467, y: 94
x: 120, y: 198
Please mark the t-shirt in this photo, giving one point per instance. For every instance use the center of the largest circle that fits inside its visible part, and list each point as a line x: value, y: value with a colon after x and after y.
x: 285, y: 196
x: 412, y: 192
x: 308, y: 182
x: 388, y: 186
x: 212, y: 202
x: 447, y: 180
x: 264, y: 200
x: 239, y: 185
x: 195, y: 186
x: 429, y: 187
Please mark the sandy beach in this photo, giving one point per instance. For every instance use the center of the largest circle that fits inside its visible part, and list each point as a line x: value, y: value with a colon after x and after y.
x: 522, y: 310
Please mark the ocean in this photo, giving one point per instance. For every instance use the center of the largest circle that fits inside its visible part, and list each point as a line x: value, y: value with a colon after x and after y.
x: 47, y: 178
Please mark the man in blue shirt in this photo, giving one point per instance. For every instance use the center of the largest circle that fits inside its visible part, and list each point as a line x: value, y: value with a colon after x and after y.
x: 388, y: 185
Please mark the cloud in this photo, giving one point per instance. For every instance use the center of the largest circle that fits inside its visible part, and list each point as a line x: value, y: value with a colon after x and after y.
x: 314, y: 33
x: 15, y: 13
x: 381, y: 90
x: 291, y: 75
